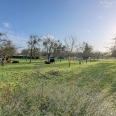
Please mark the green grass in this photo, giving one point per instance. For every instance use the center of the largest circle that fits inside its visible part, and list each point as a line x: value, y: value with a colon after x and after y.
x: 88, y: 89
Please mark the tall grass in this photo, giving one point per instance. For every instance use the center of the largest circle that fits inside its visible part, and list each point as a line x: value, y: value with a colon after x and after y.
x: 86, y: 90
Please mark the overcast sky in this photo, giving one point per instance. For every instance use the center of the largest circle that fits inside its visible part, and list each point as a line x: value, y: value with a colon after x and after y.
x: 93, y: 21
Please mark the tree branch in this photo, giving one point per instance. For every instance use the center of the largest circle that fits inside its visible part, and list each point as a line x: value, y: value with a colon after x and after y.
x: 38, y: 72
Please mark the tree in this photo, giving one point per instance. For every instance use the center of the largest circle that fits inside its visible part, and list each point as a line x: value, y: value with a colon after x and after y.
x: 107, y: 55
x: 58, y: 50
x: 8, y: 49
x: 86, y: 48
x: 113, y: 48
x: 50, y: 43
x: 70, y: 44
x: 25, y: 53
x: 6, y: 46
x: 3, y: 37
x: 61, y: 49
x: 96, y: 55
x: 34, y: 40
x: 36, y: 52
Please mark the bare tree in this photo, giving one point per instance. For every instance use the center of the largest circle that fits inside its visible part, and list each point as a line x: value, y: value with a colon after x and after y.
x: 25, y: 53
x: 113, y: 48
x: 79, y: 50
x: 86, y: 50
x: 6, y: 46
x: 61, y: 49
x: 8, y: 49
x: 36, y: 52
x: 50, y: 43
x: 96, y: 55
x: 58, y: 50
x: 3, y: 37
x: 34, y: 40
x: 70, y: 43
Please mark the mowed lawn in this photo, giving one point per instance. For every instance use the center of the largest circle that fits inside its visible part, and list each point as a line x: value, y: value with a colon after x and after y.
x: 39, y: 89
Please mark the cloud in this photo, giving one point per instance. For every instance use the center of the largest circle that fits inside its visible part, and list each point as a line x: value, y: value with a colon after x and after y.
x: 108, y: 4
x: 49, y: 36
x: 7, y: 25
x: 18, y: 39
x: 88, y: 31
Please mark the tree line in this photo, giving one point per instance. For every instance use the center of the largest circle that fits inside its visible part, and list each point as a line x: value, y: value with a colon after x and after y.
x: 48, y: 45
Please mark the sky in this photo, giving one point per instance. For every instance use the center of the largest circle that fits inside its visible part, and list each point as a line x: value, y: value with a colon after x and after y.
x: 92, y: 21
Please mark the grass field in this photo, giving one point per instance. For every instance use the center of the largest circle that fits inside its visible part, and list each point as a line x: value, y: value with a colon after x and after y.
x: 80, y: 90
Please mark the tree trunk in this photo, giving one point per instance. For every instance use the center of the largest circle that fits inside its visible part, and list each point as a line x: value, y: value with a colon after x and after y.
x: 69, y: 59
x: 79, y: 61
x: 86, y: 60
x: 90, y: 59
x: 60, y: 59
x: 69, y: 63
x: 48, y: 57
x: 26, y: 58
x: 30, y: 55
